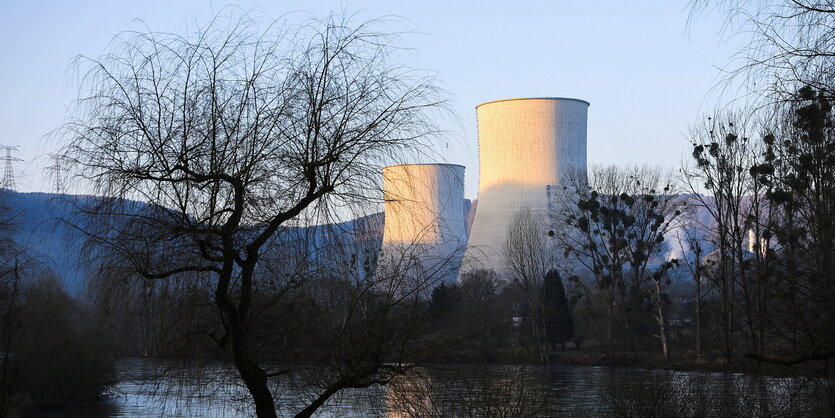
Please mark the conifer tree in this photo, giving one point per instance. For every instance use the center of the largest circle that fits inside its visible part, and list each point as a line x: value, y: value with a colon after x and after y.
x: 559, y: 324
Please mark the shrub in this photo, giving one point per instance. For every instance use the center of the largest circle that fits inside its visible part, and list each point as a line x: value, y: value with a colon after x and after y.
x: 60, y: 356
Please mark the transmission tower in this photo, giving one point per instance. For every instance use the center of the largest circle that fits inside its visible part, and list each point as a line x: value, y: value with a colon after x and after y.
x: 58, y: 168
x: 8, y: 175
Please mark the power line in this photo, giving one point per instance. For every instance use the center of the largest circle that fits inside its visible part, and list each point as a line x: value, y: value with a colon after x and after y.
x: 58, y: 168
x: 8, y: 175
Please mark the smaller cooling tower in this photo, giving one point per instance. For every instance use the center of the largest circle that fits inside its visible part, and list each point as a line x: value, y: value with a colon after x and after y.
x: 424, y: 231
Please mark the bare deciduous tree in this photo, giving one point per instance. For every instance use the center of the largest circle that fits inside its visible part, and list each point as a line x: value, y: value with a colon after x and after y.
x: 799, y: 169
x: 691, y: 242
x: 615, y: 229
x: 718, y: 171
x: 231, y: 132
x: 529, y: 255
x: 724, y: 152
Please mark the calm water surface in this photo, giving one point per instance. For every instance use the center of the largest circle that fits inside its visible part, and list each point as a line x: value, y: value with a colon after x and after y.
x: 151, y: 388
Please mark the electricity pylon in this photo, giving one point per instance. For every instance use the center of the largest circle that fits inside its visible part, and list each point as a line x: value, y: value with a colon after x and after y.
x: 58, y: 168
x: 8, y: 175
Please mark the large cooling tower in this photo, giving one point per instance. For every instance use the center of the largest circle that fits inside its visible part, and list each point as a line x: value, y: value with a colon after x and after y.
x: 528, y: 148
x: 424, y: 229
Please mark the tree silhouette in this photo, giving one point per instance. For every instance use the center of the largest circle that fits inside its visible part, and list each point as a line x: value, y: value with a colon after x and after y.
x: 614, y: 228
x: 559, y: 323
x: 799, y: 168
x: 232, y: 133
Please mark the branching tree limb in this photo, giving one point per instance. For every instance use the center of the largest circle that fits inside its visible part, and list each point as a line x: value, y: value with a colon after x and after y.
x: 231, y: 132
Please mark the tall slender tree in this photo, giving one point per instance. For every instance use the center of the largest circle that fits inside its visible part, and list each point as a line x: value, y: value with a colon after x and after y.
x: 559, y: 324
x: 800, y: 167
x: 529, y: 255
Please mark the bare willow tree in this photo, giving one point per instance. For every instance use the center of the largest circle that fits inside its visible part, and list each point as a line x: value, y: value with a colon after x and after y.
x: 791, y: 44
x: 230, y: 132
x: 372, y: 329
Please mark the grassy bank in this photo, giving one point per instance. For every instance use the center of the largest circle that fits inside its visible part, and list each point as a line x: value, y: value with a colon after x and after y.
x: 688, y: 361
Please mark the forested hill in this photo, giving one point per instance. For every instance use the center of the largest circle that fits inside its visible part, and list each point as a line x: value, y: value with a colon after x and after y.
x: 39, y: 225
x: 43, y: 226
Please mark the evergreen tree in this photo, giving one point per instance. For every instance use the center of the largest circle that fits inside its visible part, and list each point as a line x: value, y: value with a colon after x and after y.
x: 440, y: 302
x: 559, y: 324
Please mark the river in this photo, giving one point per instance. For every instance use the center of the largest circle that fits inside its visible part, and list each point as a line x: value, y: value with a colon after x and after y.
x: 153, y: 388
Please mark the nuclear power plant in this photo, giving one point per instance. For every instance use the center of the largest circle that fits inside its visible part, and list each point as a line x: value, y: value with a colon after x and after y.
x: 424, y: 230
x: 528, y: 149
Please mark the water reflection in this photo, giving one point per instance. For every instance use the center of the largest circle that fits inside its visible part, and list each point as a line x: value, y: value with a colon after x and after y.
x: 154, y: 388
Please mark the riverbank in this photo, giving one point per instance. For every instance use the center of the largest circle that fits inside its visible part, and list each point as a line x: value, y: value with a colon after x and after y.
x: 688, y: 361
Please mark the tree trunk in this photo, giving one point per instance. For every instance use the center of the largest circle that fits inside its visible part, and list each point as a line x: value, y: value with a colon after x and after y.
x: 730, y: 331
x: 611, y: 329
x: 747, y: 295
x: 235, y: 319
x: 697, y: 276
x: 547, y: 347
x: 537, y: 312
x: 256, y: 382
x: 727, y: 295
x: 253, y: 376
x: 659, y: 303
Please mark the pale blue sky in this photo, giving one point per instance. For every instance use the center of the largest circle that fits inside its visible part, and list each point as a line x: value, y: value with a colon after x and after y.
x: 645, y: 73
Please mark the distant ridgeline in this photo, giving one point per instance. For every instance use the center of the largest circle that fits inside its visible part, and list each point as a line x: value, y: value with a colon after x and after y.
x: 44, y: 224
x: 39, y: 228
x: 44, y: 227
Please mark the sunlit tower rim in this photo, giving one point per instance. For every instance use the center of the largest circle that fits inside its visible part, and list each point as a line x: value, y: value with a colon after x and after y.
x: 528, y: 148
x: 533, y: 98
x: 424, y: 216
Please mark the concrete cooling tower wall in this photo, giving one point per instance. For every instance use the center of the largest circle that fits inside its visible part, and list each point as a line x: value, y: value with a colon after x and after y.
x: 424, y: 229
x: 527, y: 148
